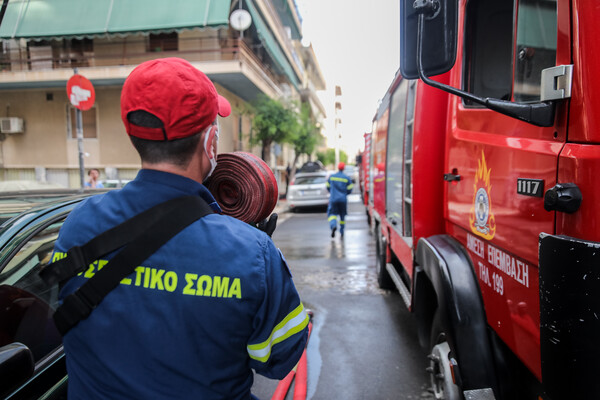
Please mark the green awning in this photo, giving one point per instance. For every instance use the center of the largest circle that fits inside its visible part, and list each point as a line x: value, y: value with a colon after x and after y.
x: 43, y: 19
x: 271, y: 44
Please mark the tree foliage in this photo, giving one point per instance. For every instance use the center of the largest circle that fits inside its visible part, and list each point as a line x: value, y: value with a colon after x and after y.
x: 306, y: 137
x: 272, y: 122
x: 328, y: 157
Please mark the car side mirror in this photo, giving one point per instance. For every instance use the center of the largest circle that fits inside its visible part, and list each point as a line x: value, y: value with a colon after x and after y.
x: 16, y: 367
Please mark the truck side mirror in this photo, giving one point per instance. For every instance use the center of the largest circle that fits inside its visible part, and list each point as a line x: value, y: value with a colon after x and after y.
x: 428, y: 30
x: 438, y: 40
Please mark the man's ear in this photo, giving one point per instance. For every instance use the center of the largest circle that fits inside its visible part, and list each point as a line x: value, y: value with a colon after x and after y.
x: 208, y: 140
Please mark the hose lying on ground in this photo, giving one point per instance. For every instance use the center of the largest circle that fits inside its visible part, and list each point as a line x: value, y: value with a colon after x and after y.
x: 244, y: 186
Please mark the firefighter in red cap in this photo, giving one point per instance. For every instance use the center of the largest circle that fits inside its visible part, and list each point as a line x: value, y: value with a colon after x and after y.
x: 339, y: 186
x: 215, y: 302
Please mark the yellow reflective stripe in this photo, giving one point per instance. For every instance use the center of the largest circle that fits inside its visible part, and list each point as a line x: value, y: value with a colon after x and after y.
x: 327, y: 183
x: 295, y: 322
x: 332, y: 217
x: 350, y: 186
x: 334, y: 178
x: 342, y: 222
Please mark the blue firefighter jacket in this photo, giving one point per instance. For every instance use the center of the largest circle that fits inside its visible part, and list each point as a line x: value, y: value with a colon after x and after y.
x: 191, y: 322
x: 339, y: 186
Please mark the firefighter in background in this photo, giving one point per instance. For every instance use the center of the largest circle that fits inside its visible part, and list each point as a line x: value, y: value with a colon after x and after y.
x: 339, y: 186
x: 214, y: 302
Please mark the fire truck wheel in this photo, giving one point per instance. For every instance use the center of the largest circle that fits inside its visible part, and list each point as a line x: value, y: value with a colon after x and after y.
x: 383, y: 277
x: 439, y: 364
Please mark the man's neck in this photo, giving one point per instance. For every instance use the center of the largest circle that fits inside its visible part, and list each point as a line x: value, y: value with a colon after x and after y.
x: 192, y: 171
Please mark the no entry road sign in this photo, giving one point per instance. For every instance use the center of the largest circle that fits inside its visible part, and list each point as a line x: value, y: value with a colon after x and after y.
x: 81, y: 92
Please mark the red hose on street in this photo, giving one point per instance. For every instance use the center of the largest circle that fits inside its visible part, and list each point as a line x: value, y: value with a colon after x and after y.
x: 300, y: 386
x: 244, y: 186
x: 284, y: 385
x: 300, y: 372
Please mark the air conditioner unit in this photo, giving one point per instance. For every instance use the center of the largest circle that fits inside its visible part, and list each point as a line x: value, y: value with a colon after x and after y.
x: 11, y: 125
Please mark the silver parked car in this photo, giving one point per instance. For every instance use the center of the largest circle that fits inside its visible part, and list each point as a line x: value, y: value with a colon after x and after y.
x: 308, y: 189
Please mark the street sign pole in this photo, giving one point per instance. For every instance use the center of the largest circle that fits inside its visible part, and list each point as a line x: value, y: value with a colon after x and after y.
x: 82, y: 96
x: 79, y: 127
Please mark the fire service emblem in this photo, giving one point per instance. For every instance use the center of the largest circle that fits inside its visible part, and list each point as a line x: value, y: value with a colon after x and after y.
x: 481, y: 218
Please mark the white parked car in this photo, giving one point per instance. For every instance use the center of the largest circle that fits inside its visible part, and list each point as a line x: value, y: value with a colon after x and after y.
x: 352, y: 172
x: 308, y: 189
x: 115, y: 183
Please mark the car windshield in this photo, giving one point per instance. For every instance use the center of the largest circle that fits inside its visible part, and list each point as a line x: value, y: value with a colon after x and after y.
x: 14, y: 203
x: 309, y: 180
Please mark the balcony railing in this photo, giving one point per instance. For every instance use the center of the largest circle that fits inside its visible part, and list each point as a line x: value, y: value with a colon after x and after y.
x: 125, y: 51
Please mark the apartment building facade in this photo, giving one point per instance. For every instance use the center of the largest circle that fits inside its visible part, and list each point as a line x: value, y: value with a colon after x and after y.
x: 45, y: 41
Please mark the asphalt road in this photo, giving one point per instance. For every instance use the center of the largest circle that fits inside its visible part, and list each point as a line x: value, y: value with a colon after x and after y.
x: 364, y: 342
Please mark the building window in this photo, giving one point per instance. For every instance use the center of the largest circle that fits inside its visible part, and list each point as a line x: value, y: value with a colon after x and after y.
x: 40, y: 55
x: 163, y: 42
x: 66, y: 53
x: 88, y: 117
x: 76, y: 52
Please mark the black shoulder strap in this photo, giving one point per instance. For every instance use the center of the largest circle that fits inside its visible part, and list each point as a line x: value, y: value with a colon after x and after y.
x: 142, y: 235
x: 79, y: 257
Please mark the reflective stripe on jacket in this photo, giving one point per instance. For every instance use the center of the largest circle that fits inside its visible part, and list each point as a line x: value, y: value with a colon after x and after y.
x: 339, y: 185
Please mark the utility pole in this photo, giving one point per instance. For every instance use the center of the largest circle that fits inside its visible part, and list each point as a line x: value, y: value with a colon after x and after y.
x: 338, y: 122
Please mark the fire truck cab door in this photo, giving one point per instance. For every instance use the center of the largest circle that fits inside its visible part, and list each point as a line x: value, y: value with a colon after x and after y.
x: 496, y: 209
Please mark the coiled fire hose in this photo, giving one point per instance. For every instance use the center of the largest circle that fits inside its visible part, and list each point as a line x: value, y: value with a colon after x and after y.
x: 244, y: 186
x: 246, y: 189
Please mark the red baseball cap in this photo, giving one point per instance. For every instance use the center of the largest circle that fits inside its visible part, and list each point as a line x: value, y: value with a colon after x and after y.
x: 177, y: 93
x: 341, y: 166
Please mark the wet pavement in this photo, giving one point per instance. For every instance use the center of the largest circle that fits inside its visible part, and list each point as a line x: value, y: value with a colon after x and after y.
x: 364, y: 342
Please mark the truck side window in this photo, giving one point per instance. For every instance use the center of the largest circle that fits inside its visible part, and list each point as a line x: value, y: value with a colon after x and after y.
x: 488, y: 48
x: 395, y: 156
x: 536, y: 46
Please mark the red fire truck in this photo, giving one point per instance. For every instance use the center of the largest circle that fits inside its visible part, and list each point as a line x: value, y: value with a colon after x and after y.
x: 364, y: 172
x: 483, y: 202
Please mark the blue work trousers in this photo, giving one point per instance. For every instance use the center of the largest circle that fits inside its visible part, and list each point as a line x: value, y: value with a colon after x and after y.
x: 335, y: 210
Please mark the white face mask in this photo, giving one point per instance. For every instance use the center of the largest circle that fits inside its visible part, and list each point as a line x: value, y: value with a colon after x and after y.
x: 213, y: 161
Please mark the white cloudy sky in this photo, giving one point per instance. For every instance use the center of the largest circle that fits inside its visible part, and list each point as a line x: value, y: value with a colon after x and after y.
x: 356, y: 43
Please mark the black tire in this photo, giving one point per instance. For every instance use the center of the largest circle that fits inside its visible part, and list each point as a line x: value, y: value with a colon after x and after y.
x: 383, y: 277
x: 441, y: 379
